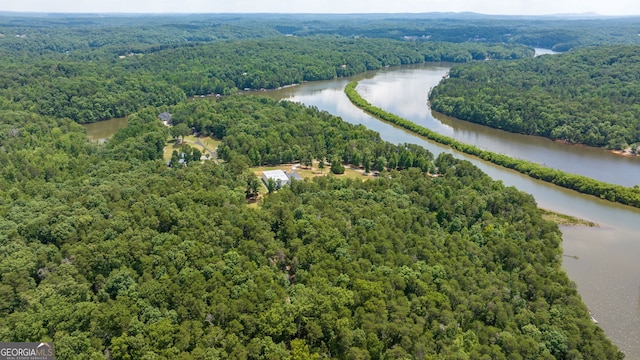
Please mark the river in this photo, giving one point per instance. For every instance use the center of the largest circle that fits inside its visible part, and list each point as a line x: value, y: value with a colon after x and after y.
x: 592, y: 162
x: 606, y: 269
x: 542, y: 51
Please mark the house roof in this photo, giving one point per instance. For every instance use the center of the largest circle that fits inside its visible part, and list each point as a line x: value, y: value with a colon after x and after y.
x: 294, y: 175
x: 165, y: 116
x: 276, y: 175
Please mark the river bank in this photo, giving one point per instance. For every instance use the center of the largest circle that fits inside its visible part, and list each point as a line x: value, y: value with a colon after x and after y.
x: 565, y: 220
x: 624, y: 152
x: 607, y: 267
x: 582, y: 184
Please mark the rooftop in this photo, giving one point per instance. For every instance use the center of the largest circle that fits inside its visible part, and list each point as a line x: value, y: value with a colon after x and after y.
x: 276, y: 175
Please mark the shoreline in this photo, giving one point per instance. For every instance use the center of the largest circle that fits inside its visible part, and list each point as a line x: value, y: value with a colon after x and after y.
x: 626, y: 152
x: 582, y: 184
x: 566, y: 220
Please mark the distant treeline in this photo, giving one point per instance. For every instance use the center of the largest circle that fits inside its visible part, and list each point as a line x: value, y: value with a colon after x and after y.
x: 587, y: 96
x: 88, y: 90
x: 61, y: 33
x: 583, y: 184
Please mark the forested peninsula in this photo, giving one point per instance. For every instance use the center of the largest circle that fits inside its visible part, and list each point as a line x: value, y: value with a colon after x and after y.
x: 580, y: 183
x: 108, y: 252
x: 105, y: 248
x: 586, y: 96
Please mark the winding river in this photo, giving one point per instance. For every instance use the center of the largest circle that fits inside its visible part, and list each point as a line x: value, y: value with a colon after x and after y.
x: 604, y: 260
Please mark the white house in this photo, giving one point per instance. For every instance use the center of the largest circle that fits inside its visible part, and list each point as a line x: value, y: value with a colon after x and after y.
x: 279, y: 177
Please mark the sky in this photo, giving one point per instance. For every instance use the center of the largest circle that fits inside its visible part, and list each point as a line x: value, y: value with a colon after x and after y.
x: 498, y: 7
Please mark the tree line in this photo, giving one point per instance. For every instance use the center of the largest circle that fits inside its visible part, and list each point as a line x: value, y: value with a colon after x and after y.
x: 106, y: 87
x: 253, y: 138
x: 580, y: 183
x: 90, y: 35
x: 587, y: 96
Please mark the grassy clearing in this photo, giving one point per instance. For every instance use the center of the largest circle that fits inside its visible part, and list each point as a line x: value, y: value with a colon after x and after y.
x: 168, y: 149
x: 565, y: 220
x: 313, y: 171
x: 306, y: 173
x: 209, y: 143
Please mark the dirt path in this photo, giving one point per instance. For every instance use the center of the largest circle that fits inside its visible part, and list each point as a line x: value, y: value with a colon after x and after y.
x: 213, y: 154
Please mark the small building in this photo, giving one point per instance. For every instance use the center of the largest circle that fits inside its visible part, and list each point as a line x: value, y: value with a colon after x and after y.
x: 182, y: 161
x: 293, y: 175
x: 279, y: 177
x: 165, y: 117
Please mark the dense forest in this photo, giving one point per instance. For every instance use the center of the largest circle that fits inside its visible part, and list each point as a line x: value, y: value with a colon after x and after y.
x: 87, y: 89
x: 557, y: 33
x: 61, y: 33
x: 107, y: 250
x: 110, y: 253
x: 587, y: 96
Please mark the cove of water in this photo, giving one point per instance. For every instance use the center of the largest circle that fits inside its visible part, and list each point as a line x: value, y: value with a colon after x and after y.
x: 102, y: 130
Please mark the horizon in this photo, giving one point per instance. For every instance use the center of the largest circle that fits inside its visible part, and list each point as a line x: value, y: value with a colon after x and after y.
x: 615, y: 8
x: 589, y: 14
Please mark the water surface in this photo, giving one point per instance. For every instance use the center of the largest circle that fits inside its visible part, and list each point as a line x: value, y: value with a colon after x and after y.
x: 404, y: 92
x: 607, y: 269
x: 102, y: 130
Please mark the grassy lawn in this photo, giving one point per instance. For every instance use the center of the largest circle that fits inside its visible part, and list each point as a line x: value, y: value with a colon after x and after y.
x: 314, y: 171
x: 168, y: 150
x: 356, y: 174
x: 210, y: 143
x: 306, y: 173
x: 172, y: 145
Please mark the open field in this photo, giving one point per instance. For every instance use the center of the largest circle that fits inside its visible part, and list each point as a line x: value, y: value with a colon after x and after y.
x: 313, y: 171
x: 208, y: 142
x: 306, y: 173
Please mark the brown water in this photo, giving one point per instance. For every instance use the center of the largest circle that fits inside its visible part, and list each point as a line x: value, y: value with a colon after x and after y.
x: 391, y: 90
x: 607, y: 271
x: 102, y: 130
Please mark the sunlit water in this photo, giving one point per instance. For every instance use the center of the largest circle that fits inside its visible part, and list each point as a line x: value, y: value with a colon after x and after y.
x: 607, y: 268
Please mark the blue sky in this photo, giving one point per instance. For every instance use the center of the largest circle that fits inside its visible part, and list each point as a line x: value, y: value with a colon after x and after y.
x: 512, y: 7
